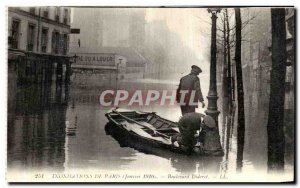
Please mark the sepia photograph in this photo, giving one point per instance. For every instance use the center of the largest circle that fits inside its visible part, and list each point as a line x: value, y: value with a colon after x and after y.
x: 183, y: 94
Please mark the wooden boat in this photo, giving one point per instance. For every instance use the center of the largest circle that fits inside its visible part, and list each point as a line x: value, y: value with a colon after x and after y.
x: 145, y: 129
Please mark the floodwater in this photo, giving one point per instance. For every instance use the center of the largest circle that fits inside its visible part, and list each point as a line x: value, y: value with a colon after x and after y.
x: 62, y: 128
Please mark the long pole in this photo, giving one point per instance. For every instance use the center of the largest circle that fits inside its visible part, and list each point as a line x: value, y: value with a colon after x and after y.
x: 138, y: 123
x: 118, y: 73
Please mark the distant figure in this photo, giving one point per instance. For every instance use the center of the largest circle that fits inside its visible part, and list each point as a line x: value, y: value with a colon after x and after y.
x: 190, y: 84
x: 188, y: 126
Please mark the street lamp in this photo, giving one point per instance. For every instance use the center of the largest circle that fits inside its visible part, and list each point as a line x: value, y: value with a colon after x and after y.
x: 212, y: 108
x: 120, y: 59
x: 75, y: 58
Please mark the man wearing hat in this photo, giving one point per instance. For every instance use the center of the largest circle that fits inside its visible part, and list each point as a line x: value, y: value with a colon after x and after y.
x: 188, y: 126
x: 189, y: 91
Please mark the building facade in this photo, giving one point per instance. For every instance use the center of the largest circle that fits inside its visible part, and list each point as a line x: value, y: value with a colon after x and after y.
x: 39, y: 29
x: 37, y: 85
x: 38, y: 40
x: 38, y: 43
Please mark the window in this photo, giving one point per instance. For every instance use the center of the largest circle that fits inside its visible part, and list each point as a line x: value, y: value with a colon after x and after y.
x: 30, y: 37
x: 32, y: 10
x: 46, y: 12
x: 44, y: 41
x: 65, y: 16
x: 55, y: 42
x: 57, y: 14
x: 15, y: 34
x: 65, y: 44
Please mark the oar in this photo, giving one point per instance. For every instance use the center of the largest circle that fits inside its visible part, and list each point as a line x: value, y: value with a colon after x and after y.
x: 129, y: 119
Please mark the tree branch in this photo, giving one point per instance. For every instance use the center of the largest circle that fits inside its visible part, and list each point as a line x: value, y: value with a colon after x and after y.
x: 245, y: 23
x: 202, y: 20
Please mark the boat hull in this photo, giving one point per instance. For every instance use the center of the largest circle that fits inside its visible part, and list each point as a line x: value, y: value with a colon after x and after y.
x: 138, y: 133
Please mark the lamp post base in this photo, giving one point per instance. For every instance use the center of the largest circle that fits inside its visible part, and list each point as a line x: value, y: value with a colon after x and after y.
x: 212, y: 108
x: 214, y: 114
x: 216, y: 147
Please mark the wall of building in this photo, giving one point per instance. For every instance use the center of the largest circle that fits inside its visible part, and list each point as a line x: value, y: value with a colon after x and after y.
x: 25, y: 18
x: 34, y: 66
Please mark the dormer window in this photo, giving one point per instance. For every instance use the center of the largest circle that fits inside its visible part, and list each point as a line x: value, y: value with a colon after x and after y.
x: 46, y: 12
x: 32, y: 10
x: 65, y: 16
x: 57, y: 14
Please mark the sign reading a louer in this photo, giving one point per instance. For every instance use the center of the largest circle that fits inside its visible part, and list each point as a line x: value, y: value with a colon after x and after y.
x: 95, y: 59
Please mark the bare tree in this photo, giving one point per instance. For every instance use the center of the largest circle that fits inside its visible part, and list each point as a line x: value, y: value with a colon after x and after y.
x: 227, y: 80
x: 229, y: 85
x: 276, y: 142
x: 230, y: 29
x: 240, y: 90
x: 224, y: 79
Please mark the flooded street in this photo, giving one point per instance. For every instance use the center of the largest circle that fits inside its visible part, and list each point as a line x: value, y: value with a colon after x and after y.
x: 67, y: 134
x: 70, y: 68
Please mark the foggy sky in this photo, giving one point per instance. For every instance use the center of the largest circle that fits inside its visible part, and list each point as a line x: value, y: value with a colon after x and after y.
x: 191, y: 26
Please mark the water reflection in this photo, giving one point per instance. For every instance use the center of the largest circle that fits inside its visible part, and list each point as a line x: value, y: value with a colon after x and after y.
x: 90, y: 148
x: 181, y: 163
x: 62, y: 127
x: 36, y: 126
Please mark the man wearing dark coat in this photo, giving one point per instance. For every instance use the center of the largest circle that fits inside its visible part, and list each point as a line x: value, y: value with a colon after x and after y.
x: 189, y: 91
x: 208, y: 137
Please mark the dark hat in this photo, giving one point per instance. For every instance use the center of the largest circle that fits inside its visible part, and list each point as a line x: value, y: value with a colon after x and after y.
x: 196, y: 68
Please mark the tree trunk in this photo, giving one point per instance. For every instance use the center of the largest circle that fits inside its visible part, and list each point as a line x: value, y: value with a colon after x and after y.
x: 240, y: 91
x: 224, y: 84
x: 276, y: 106
x: 228, y: 63
x: 230, y: 119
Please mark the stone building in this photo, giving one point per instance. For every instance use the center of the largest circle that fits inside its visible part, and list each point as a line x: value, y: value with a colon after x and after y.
x: 39, y: 29
x: 38, y: 40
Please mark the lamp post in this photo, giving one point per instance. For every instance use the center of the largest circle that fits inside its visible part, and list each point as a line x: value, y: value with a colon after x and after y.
x: 120, y: 59
x: 212, y: 108
x: 74, y: 58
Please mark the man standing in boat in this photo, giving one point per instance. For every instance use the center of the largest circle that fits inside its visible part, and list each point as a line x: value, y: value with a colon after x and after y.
x: 189, y: 91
